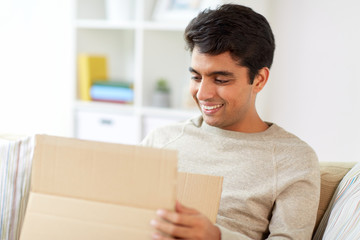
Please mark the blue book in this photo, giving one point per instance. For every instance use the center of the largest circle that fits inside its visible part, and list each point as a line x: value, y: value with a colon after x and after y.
x: 111, y: 93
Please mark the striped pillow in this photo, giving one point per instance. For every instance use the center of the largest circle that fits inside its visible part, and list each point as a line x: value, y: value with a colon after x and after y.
x: 15, y: 169
x: 341, y: 219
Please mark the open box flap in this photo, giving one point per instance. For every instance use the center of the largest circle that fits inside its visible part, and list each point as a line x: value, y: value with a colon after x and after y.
x: 113, y: 173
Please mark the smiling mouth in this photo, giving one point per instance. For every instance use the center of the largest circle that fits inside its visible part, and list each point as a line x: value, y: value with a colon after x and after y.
x: 213, y: 107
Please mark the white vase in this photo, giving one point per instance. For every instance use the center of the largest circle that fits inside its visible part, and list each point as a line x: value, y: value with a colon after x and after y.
x: 119, y: 10
x: 161, y: 99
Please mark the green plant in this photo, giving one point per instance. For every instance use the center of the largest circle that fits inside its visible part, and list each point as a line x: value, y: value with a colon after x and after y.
x: 162, y: 85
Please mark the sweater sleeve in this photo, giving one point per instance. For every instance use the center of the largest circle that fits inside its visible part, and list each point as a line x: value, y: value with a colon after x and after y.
x: 295, y: 202
x: 297, y: 197
x: 162, y: 136
x: 227, y: 234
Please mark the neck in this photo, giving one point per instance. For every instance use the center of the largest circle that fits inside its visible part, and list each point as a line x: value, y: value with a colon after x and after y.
x: 252, y: 127
x: 251, y: 124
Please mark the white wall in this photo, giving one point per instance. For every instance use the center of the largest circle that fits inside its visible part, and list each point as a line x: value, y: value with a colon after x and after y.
x: 314, y: 85
x: 36, y: 66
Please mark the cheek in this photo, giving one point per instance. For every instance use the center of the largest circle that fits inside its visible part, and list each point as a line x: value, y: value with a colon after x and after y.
x: 193, y: 89
x: 233, y: 95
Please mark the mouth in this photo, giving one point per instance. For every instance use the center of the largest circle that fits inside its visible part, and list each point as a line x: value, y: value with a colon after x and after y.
x: 210, y: 109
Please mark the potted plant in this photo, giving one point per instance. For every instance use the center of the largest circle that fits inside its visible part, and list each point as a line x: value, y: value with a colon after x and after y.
x: 161, y: 96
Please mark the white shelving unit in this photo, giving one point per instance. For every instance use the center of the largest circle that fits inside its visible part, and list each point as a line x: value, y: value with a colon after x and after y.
x: 139, y: 50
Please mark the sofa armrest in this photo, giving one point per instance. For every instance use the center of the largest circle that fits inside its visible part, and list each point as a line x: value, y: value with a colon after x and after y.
x: 331, y: 175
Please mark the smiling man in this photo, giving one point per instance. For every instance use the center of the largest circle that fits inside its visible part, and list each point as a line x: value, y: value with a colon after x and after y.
x: 221, y: 88
x: 271, y: 177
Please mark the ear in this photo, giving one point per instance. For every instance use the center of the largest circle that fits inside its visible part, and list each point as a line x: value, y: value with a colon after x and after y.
x: 260, y: 79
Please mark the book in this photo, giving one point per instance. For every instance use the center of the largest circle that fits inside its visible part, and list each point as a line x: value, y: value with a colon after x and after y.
x: 90, y: 69
x: 112, y: 91
x: 108, y: 82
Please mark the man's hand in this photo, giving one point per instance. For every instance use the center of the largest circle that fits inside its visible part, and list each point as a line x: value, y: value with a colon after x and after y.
x: 185, y: 223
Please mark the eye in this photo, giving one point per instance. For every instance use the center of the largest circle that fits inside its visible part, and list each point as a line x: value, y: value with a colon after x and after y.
x: 221, y: 81
x: 196, y: 78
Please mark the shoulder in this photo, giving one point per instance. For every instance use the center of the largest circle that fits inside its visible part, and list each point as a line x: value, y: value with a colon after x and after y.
x: 162, y: 136
x: 296, y: 164
x: 284, y: 141
x: 292, y: 152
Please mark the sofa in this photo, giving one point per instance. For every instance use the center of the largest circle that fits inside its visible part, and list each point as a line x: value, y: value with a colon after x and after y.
x: 331, y: 175
x: 15, y: 174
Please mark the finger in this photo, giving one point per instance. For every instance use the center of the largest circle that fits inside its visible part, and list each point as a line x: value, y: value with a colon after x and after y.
x: 177, y: 218
x: 159, y: 236
x: 169, y: 229
x: 183, y: 209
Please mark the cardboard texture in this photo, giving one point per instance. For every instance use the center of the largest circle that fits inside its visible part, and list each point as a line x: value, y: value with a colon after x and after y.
x: 201, y: 192
x: 92, y: 190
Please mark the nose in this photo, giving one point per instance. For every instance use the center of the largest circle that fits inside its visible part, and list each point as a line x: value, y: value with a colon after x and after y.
x: 206, y: 90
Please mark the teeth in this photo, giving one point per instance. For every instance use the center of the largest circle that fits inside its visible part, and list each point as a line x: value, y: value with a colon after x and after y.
x: 211, y: 107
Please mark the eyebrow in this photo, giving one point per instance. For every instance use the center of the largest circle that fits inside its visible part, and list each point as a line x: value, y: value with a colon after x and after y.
x: 222, y: 73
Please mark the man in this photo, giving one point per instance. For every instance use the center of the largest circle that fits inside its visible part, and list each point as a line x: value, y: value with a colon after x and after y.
x: 271, y: 177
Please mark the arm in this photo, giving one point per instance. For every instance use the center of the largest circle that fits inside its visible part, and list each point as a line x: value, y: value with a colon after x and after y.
x: 297, y: 198
x: 293, y: 214
x: 188, y: 223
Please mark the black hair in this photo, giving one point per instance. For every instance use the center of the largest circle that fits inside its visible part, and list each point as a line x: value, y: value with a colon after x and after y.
x: 235, y: 28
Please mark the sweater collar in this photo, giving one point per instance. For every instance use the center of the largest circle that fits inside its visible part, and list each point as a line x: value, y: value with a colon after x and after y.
x: 199, y: 122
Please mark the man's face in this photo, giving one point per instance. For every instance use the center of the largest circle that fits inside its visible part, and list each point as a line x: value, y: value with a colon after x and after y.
x: 222, y: 91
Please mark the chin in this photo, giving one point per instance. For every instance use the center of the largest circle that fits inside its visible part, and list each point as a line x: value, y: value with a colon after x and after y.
x: 210, y: 121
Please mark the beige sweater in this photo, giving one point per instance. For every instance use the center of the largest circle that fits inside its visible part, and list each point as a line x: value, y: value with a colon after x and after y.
x: 271, y: 179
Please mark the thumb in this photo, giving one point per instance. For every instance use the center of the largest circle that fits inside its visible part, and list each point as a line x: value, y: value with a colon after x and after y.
x: 180, y: 208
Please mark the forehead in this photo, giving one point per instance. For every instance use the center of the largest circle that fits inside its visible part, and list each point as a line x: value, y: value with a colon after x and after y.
x: 203, y: 62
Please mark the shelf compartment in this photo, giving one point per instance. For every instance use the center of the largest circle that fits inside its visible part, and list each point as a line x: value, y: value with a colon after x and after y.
x: 117, y: 46
x: 104, y: 24
x: 117, y: 128
x: 165, y: 57
x: 110, y: 10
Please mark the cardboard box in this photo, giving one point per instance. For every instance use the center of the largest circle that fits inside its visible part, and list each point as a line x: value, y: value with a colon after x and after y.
x: 92, y: 190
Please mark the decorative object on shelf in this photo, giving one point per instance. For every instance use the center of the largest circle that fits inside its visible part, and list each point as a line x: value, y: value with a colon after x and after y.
x: 180, y: 10
x: 112, y: 91
x: 161, y: 96
x: 119, y: 10
x: 90, y: 68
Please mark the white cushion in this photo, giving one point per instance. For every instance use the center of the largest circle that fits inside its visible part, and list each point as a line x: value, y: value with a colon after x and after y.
x: 341, y: 219
x: 16, y: 154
